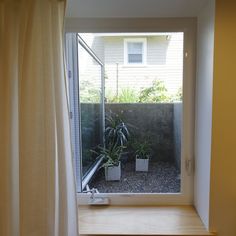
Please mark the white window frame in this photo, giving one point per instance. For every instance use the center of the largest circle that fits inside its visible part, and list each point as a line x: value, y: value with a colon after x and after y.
x: 144, y: 51
x: 185, y: 197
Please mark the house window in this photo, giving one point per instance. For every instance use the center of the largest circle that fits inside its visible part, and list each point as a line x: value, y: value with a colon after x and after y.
x: 169, y: 139
x: 135, y: 50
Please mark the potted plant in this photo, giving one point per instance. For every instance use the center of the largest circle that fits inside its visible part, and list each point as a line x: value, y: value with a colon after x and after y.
x: 116, y: 136
x: 116, y: 132
x: 112, y: 164
x: 142, y: 153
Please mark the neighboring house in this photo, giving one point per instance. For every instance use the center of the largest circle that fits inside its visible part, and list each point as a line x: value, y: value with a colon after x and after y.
x: 135, y: 60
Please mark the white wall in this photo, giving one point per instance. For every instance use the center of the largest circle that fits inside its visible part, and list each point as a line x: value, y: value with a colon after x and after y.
x: 203, y: 125
x: 133, y: 8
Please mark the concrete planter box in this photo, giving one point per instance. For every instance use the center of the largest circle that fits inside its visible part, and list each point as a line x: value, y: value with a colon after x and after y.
x: 141, y: 164
x: 113, y: 173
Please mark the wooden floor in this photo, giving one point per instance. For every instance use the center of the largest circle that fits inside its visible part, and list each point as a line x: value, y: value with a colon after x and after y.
x: 118, y: 220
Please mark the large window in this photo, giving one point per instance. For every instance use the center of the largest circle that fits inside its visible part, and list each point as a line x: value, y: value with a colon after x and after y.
x: 154, y: 155
x: 135, y: 51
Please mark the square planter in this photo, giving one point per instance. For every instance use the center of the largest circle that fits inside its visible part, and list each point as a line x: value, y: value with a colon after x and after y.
x: 141, y: 164
x: 113, y: 173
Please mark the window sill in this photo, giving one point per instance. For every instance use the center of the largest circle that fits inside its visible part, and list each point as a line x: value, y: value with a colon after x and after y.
x: 125, y: 220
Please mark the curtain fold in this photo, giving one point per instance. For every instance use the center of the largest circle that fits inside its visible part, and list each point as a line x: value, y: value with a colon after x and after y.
x: 37, y: 182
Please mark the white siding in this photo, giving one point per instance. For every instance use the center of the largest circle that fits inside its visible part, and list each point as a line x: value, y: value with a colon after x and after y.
x: 164, y: 62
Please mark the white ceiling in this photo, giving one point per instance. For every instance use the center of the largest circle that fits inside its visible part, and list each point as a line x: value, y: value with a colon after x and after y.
x: 134, y: 8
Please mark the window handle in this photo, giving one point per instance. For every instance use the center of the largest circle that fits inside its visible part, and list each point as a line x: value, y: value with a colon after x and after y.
x: 97, y: 200
x: 189, y: 166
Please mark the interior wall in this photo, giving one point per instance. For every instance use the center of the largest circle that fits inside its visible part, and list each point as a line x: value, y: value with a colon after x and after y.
x: 203, y: 123
x: 133, y: 8
x: 130, y: 25
x: 223, y: 174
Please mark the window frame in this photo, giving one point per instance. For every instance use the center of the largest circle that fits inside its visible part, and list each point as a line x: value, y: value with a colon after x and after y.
x: 144, y: 51
x: 155, y: 25
x: 185, y: 196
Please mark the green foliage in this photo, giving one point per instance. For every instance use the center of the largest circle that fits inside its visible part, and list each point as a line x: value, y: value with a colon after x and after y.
x: 155, y: 93
x: 142, y: 149
x: 109, y: 96
x: 127, y: 95
x: 89, y: 93
x: 112, y: 155
x: 116, y: 132
x: 116, y: 136
x: 178, y: 96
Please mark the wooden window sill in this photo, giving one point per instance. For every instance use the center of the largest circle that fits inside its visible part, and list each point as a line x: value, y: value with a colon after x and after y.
x: 140, y: 220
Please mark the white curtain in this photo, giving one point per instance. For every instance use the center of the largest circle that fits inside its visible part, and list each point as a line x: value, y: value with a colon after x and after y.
x: 37, y: 184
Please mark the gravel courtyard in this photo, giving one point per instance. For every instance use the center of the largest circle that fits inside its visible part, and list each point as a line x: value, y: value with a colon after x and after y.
x: 162, y: 177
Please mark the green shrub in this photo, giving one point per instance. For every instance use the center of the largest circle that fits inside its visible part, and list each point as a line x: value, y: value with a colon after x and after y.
x: 155, y: 93
x: 127, y: 95
x: 142, y: 149
x: 89, y: 93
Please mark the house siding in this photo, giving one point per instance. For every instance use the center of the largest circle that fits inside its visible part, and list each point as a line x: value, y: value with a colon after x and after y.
x: 164, y: 62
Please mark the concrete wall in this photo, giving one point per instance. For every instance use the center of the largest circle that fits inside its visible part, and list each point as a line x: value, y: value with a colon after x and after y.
x: 156, y: 122
x: 91, y: 129
x: 151, y: 121
x: 177, y: 126
x: 223, y: 163
x: 203, y: 123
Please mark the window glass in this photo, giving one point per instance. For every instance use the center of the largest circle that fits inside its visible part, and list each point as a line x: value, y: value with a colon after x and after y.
x: 90, y: 108
x: 143, y: 110
x: 135, y: 52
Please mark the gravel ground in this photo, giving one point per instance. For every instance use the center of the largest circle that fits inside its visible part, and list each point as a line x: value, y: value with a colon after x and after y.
x: 162, y: 177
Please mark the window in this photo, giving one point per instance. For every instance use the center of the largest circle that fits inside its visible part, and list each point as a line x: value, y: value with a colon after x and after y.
x: 86, y: 107
x: 90, y: 177
x: 135, y: 51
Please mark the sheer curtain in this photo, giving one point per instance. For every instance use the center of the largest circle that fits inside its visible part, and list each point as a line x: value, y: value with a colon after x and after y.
x: 37, y: 184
